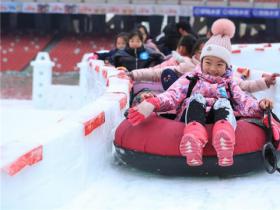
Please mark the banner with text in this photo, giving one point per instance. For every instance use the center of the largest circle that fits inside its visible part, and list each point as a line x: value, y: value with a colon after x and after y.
x: 236, y: 12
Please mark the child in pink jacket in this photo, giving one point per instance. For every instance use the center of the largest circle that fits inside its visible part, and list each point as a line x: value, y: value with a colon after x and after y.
x: 215, y: 97
x: 241, y: 75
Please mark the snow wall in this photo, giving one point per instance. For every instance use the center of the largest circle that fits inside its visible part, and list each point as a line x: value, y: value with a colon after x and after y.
x: 49, y: 170
x: 68, y: 155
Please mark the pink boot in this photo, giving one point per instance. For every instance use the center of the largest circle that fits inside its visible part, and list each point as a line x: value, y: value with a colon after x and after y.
x: 194, y: 139
x: 223, y: 140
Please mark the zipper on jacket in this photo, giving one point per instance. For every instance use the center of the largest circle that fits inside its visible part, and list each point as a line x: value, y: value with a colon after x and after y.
x: 136, y: 58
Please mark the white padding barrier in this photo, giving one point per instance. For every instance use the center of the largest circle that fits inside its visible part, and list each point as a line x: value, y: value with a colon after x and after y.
x: 47, y: 95
x: 64, y: 159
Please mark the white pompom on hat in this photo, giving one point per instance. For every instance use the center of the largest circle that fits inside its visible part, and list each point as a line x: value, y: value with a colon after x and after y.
x: 219, y: 44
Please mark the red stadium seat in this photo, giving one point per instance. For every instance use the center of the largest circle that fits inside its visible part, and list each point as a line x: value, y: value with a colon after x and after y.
x: 70, y: 50
x: 17, y: 50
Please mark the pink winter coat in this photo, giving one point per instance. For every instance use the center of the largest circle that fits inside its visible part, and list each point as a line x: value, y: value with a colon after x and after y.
x: 180, y: 65
x: 212, y: 88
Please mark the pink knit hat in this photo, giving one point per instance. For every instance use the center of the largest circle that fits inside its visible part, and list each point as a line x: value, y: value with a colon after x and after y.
x: 219, y: 44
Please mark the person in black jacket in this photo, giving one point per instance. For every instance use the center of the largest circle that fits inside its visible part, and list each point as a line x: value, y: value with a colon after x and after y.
x: 184, y: 28
x: 135, y: 55
x: 169, y: 41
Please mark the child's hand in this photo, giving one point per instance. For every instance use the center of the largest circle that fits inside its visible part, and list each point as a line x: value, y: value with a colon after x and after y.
x: 140, y: 112
x: 107, y: 62
x: 266, y: 103
x: 130, y: 75
x: 121, y: 68
x: 270, y: 79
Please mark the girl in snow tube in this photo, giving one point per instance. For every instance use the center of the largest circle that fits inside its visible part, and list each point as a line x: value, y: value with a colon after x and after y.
x: 214, y: 97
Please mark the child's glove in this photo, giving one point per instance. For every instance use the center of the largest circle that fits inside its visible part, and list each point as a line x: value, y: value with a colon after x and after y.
x: 140, y: 112
x: 121, y: 68
x: 93, y: 57
x: 122, y: 75
x: 130, y: 75
x: 270, y: 79
x: 265, y: 103
x: 178, y: 57
x: 275, y: 127
x: 244, y: 72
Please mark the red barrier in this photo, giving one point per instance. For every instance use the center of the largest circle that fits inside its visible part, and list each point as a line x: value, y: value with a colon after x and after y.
x: 235, y: 51
x: 33, y: 156
x: 94, y: 123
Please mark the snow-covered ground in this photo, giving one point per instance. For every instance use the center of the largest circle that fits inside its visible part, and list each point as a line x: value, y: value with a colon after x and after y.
x: 129, y: 189
x: 115, y: 187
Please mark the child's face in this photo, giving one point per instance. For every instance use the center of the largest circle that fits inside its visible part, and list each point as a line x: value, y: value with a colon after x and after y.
x: 135, y: 42
x: 213, y: 66
x: 120, y: 43
x: 182, y: 50
x: 143, y: 32
x: 198, y: 52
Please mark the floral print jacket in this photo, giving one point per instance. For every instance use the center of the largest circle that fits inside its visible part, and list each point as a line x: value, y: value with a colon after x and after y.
x: 212, y: 88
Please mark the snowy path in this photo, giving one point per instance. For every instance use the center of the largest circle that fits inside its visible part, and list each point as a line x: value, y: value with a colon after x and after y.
x: 119, y: 188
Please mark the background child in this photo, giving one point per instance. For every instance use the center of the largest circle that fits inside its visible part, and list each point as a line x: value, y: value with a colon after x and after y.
x: 120, y: 44
x: 197, y: 48
x: 135, y: 55
x: 169, y: 41
x: 215, y: 97
x: 169, y: 76
x: 148, y: 42
x: 180, y: 61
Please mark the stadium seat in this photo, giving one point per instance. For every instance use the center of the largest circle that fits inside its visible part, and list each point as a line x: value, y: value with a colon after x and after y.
x: 70, y: 50
x: 17, y: 50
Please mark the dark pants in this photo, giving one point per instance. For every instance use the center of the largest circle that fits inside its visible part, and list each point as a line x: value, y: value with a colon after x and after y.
x: 196, y: 111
